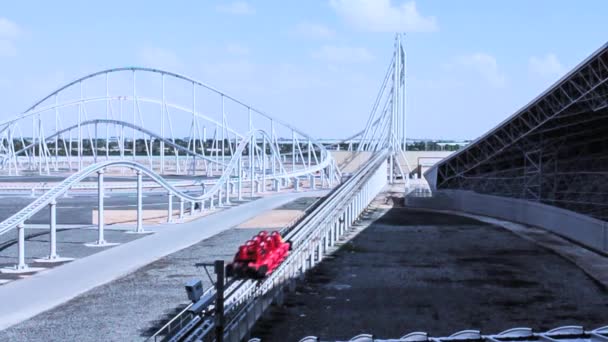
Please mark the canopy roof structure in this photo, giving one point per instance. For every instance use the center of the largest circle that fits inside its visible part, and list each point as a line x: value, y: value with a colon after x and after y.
x: 553, y: 151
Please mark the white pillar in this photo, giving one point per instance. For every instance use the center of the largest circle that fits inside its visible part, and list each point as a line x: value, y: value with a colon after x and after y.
x: 100, y: 237
x: 320, y: 250
x: 21, y: 265
x: 53, y: 214
x: 170, y: 209
x: 181, y: 208
x: 240, y: 179
x: 140, y: 228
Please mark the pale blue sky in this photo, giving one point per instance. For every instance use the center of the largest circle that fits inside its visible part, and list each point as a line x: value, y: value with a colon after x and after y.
x: 317, y: 63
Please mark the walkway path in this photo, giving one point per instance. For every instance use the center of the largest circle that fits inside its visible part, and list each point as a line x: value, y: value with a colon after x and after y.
x: 25, y: 298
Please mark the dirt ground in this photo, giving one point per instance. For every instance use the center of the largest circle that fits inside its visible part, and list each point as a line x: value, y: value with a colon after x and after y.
x: 419, y: 271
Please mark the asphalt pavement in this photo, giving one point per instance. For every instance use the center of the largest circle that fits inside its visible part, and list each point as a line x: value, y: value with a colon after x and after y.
x: 422, y: 271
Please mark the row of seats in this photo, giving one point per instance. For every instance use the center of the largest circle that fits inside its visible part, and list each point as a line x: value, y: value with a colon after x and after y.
x: 561, y: 334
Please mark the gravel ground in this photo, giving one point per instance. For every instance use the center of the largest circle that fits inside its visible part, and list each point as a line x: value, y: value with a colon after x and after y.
x: 416, y: 271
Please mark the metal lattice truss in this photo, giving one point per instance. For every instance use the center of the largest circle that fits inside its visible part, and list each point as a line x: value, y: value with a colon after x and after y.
x: 170, y: 123
x: 385, y: 128
x: 553, y: 151
x: 135, y: 120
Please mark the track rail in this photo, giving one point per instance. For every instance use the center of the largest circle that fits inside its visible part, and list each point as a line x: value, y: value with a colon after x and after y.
x: 246, y: 300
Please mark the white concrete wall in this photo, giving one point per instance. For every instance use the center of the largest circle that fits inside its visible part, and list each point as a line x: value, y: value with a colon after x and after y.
x: 586, y: 230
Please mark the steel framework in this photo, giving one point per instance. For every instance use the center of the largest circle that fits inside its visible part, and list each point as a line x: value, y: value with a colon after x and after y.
x: 171, y: 123
x: 386, y: 124
x: 552, y: 151
x: 79, y: 145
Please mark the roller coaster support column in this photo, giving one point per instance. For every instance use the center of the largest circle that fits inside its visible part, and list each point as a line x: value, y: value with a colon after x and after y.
x: 181, y: 208
x: 228, y: 192
x: 263, y: 165
x: 391, y: 166
x: 53, y: 214
x: 101, y: 242
x: 240, y: 180
x: 21, y: 265
x: 170, y: 209
x: 140, y: 227
x: 100, y: 238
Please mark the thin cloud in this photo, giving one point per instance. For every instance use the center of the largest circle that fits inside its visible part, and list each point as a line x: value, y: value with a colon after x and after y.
x: 485, y: 65
x: 546, y: 66
x: 8, y: 29
x: 9, y: 32
x: 314, y: 30
x: 342, y: 54
x: 236, y: 7
x: 384, y: 16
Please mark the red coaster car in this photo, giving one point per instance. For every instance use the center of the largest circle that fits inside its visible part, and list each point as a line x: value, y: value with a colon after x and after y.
x: 258, y: 257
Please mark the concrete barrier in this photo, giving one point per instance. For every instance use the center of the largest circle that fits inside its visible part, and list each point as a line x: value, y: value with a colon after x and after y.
x: 588, y: 231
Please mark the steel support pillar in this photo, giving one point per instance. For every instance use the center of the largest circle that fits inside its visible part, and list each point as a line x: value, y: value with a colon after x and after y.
x: 181, y: 208
x: 53, y: 226
x: 100, y: 193
x: 140, y: 214
x: 319, y: 252
x: 21, y: 265
x: 240, y: 180
x: 101, y: 242
x: 170, y: 209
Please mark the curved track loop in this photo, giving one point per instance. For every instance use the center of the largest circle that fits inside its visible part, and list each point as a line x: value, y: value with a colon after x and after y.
x: 33, y: 109
x: 173, y: 106
x: 57, y: 191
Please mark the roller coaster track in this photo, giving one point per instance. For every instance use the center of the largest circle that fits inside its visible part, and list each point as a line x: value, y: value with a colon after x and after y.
x: 234, y: 163
x: 245, y: 300
x: 99, y: 98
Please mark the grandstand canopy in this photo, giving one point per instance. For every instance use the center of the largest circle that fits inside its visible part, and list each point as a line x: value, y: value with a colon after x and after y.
x: 554, y: 150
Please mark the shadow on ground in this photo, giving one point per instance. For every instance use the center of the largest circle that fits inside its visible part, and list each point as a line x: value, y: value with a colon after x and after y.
x: 420, y: 271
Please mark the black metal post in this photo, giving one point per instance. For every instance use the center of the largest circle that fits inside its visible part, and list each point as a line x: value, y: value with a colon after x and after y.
x: 219, y: 301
